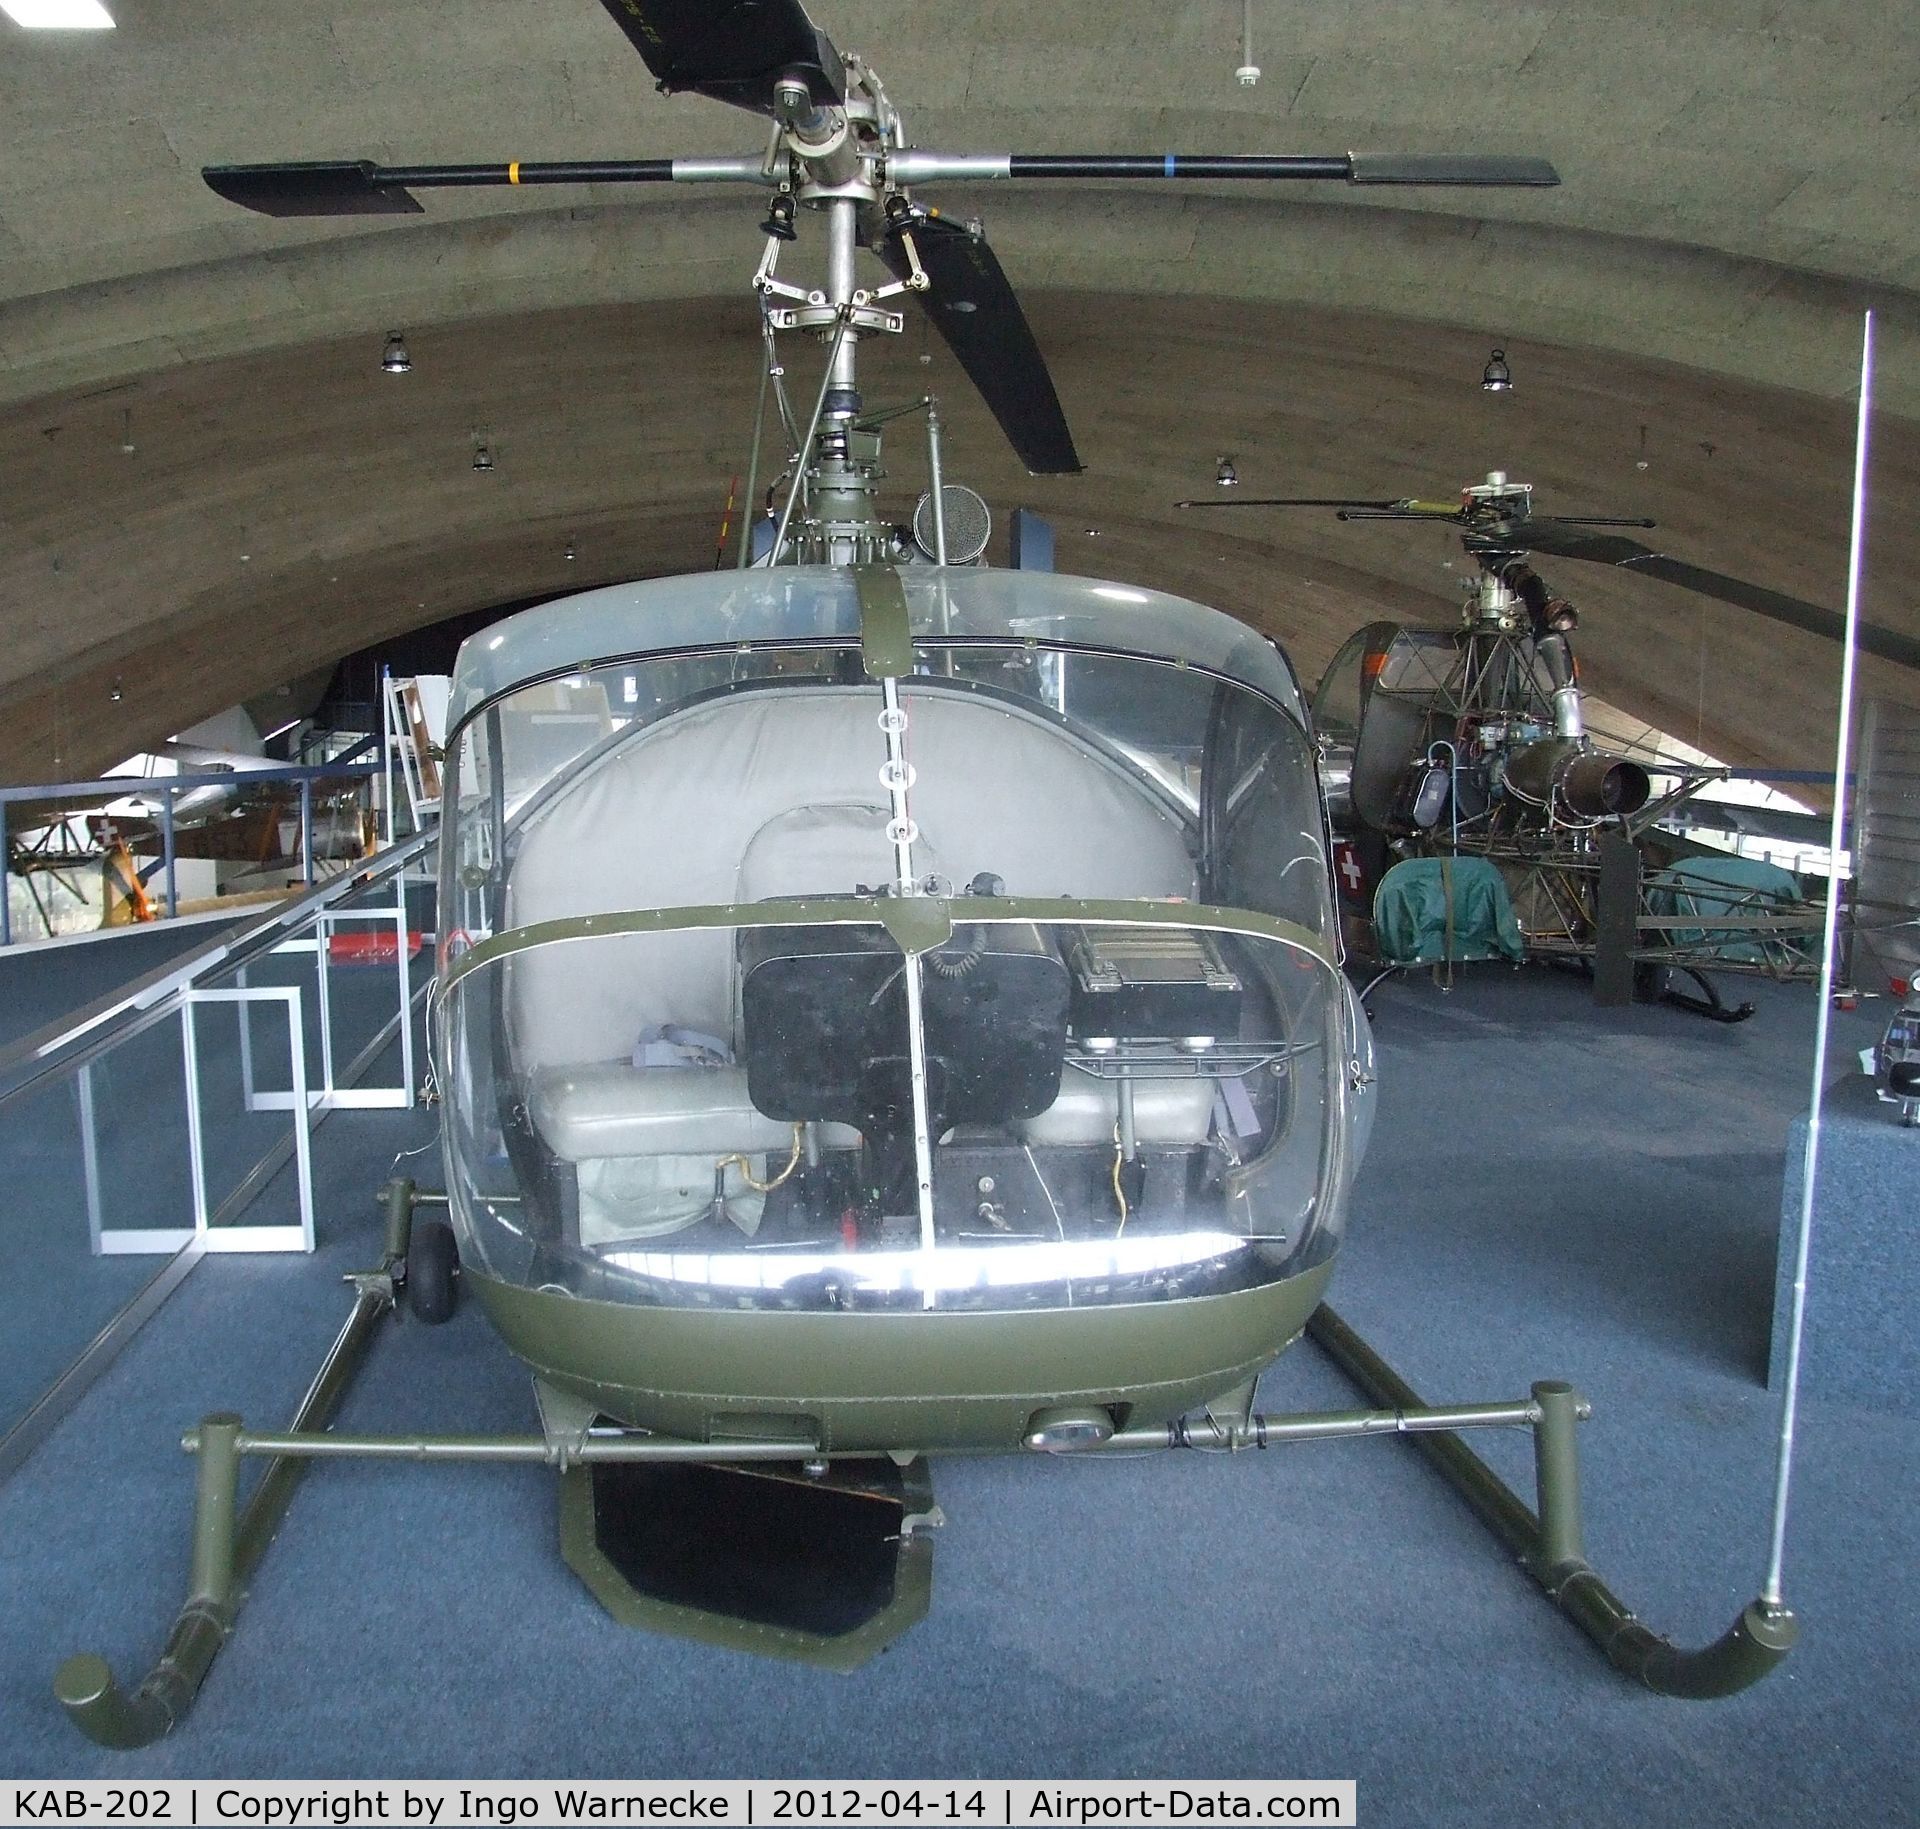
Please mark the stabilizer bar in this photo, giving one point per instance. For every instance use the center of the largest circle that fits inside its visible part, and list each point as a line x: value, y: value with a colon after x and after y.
x: 1548, y: 1544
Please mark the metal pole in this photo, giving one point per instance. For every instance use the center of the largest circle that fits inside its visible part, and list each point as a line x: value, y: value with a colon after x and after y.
x: 386, y: 753
x: 6, y: 882
x: 89, y: 1153
x: 306, y: 832
x: 749, y: 508
x: 213, y: 1501
x: 302, y: 1105
x: 806, y: 446
x: 922, y: 1118
x: 842, y: 251
x: 196, y: 1143
x: 938, y: 495
x: 167, y: 844
x: 902, y: 831
x: 1770, y: 1592
x: 1556, y: 1469
x: 402, y: 935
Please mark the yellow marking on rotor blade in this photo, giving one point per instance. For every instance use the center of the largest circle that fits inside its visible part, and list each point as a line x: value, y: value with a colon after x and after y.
x: 513, y: 172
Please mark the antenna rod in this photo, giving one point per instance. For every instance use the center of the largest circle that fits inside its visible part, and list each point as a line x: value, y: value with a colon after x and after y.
x: 1770, y: 1594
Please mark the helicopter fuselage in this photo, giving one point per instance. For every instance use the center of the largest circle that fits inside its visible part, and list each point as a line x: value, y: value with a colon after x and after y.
x: 911, y: 1017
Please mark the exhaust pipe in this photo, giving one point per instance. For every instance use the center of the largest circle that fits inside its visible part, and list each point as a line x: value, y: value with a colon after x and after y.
x: 1588, y: 783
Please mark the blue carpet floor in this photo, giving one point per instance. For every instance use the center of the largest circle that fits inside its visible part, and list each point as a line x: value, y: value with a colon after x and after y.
x: 1552, y: 1192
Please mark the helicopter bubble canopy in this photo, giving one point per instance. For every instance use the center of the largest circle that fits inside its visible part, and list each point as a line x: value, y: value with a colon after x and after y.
x: 806, y: 604
x: 702, y: 1045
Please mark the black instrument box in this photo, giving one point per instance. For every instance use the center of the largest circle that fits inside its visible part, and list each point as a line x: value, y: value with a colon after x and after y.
x: 1150, y: 982
x: 824, y: 1024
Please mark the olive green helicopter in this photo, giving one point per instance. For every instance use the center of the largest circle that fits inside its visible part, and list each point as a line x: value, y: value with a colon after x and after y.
x: 950, y: 1051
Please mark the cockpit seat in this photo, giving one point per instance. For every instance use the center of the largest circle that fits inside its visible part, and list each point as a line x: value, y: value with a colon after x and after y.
x: 608, y: 1109
x: 1165, y: 1112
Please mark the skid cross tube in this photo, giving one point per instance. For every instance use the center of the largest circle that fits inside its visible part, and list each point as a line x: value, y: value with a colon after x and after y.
x: 1548, y: 1543
x: 228, y: 1543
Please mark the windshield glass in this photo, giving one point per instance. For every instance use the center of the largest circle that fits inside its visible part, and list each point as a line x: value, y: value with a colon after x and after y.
x: 792, y: 605
x: 696, y: 1063
x: 724, y: 777
x: 1080, y: 1111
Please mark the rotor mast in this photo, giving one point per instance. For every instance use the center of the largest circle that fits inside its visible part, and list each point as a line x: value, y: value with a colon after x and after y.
x: 829, y: 159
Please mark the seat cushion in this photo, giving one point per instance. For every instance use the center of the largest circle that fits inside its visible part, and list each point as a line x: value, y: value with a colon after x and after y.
x: 605, y: 1109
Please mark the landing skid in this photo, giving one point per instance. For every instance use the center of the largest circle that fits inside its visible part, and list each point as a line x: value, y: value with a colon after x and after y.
x: 228, y: 1542
x: 1709, y: 1004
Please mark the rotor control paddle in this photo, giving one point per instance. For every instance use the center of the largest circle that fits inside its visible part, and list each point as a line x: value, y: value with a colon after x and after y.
x: 973, y: 307
x: 358, y: 187
x: 734, y: 51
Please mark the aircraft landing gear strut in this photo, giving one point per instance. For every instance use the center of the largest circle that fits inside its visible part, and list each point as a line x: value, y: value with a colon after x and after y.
x: 229, y: 1542
x: 1548, y: 1543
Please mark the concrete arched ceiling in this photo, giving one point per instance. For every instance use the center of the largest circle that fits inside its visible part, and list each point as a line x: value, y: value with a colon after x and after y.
x: 1739, y: 176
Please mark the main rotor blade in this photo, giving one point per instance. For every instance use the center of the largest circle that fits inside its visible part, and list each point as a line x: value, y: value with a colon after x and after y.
x: 1283, y: 501
x: 1353, y: 168
x: 974, y: 309
x: 1617, y: 549
x: 1595, y: 520
x: 732, y: 50
x: 358, y: 187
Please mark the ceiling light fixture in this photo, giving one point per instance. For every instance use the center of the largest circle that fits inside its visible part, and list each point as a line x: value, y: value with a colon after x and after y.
x: 394, y: 358
x: 482, y: 452
x: 58, y: 15
x: 126, y: 430
x: 116, y: 692
x: 1497, y: 377
x: 1225, y: 474
x: 1249, y: 71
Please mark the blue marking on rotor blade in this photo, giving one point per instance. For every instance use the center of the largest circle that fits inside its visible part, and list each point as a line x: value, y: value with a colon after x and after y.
x: 1168, y: 173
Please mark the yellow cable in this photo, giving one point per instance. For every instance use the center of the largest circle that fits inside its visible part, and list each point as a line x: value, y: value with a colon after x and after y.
x: 746, y: 1168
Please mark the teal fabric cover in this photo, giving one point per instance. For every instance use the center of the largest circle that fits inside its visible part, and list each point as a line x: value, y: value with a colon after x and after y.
x: 1722, y: 886
x: 1412, y: 924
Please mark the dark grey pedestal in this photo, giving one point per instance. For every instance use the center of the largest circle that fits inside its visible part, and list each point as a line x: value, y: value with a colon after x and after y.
x: 1863, y: 1293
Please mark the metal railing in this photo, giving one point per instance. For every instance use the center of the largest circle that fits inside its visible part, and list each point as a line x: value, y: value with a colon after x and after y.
x: 240, y: 1132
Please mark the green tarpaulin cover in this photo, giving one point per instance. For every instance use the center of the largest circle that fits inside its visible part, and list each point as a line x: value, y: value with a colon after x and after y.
x: 1722, y: 886
x: 1432, y: 909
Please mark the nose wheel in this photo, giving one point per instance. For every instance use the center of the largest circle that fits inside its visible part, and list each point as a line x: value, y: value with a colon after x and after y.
x: 433, y: 1272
